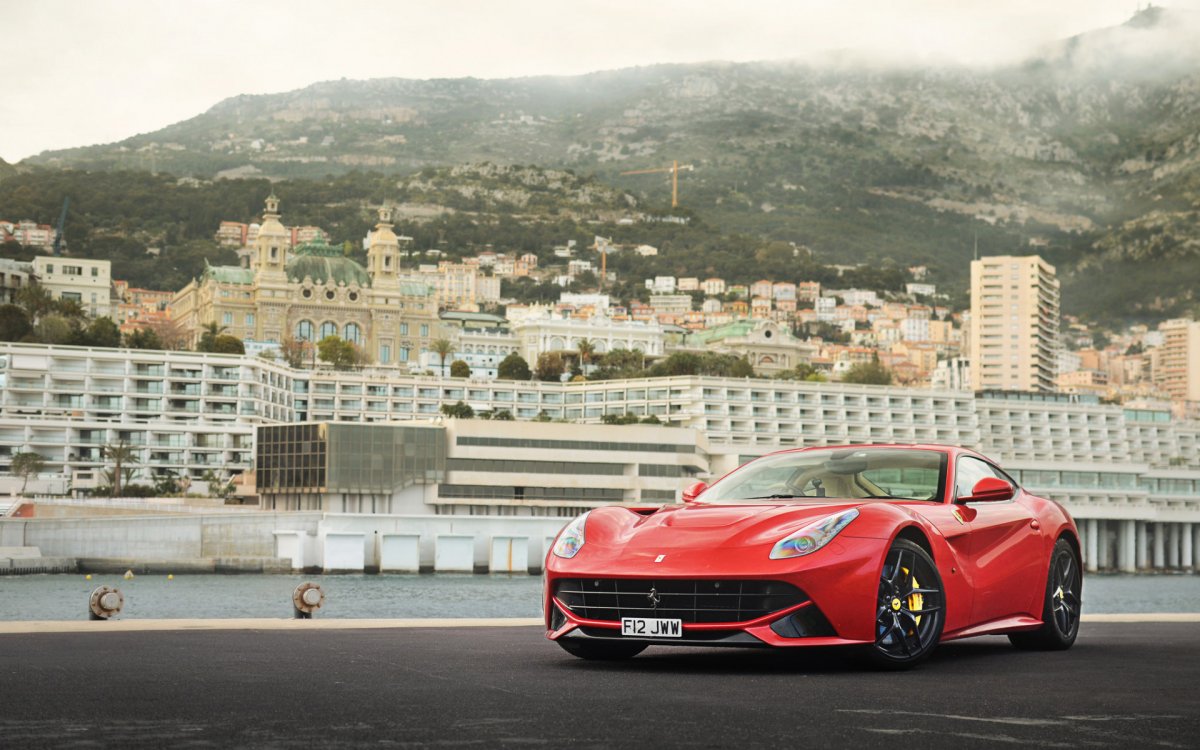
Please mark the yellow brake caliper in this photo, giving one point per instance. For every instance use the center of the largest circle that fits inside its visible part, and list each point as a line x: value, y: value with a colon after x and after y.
x: 916, y: 601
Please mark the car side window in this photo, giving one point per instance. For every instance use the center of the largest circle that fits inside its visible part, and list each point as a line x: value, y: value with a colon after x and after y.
x: 968, y: 472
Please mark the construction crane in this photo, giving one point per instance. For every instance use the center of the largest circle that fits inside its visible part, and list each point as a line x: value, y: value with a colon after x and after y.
x: 58, y: 232
x: 674, y: 170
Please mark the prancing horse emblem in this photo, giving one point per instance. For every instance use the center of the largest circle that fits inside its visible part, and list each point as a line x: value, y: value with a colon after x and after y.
x: 654, y: 598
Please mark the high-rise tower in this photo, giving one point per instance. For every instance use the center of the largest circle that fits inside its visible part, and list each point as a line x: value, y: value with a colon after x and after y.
x: 1014, y: 324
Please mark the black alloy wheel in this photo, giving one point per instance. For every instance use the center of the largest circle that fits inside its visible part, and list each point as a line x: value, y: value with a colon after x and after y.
x: 1061, y: 607
x: 601, y: 650
x: 910, y: 610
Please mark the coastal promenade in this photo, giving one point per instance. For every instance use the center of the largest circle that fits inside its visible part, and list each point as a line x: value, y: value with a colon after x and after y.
x: 318, y: 683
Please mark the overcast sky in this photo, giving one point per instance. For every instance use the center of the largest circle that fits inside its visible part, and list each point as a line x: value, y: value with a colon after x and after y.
x: 78, y: 72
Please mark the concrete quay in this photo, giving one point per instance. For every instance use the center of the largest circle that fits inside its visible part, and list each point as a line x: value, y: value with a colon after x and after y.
x: 503, y: 685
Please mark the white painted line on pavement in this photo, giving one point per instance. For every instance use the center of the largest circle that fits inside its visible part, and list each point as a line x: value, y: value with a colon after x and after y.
x: 1145, y: 617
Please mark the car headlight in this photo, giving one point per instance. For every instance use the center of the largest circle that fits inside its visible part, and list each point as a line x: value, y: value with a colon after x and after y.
x: 570, y: 540
x: 813, y: 536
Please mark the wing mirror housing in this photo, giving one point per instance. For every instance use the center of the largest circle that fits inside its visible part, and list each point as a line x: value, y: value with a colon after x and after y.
x: 989, y: 489
x: 691, y: 493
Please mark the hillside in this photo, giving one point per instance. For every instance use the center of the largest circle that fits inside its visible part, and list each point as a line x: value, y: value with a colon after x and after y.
x: 1089, y: 154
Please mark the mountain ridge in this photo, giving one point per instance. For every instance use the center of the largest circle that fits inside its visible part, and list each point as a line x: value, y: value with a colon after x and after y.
x: 1090, y: 157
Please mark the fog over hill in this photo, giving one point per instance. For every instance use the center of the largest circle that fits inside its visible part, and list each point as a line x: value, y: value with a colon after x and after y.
x: 1088, y: 154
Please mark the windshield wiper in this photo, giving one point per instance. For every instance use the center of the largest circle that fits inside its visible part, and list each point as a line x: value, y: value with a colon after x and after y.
x: 775, y: 497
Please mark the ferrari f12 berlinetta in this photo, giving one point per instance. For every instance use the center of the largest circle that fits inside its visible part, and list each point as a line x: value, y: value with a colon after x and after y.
x: 890, y: 549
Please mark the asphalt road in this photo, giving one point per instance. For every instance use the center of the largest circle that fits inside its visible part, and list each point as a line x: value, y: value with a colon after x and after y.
x: 1123, y: 684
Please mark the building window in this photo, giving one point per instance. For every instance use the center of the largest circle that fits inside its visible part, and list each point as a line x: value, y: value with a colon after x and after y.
x: 404, y: 329
x: 304, y: 330
x: 95, y: 272
x: 404, y: 354
x: 249, y: 319
x: 385, y: 353
x: 352, y: 333
x: 329, y: 328
x: 227, y: 319
x: 424, y: 329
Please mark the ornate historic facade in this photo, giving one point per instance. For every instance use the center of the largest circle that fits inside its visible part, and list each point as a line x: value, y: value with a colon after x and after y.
x: 315, y: 293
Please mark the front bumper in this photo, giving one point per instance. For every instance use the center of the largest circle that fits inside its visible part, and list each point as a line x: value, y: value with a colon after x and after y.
x: 839, y: 583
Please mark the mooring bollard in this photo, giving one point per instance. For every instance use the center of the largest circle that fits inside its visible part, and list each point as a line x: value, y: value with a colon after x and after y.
x: 306, y: 599
x: 105, y: 602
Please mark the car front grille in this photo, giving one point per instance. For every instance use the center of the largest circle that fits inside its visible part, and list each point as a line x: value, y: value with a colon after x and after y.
x: 689, y: 600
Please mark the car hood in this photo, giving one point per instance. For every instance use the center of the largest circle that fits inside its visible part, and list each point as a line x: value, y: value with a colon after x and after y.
x: 707, y: 526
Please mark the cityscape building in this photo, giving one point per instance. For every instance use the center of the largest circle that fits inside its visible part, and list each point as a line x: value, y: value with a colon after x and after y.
x: 1131, y: 476
x: 316, y: 293
x: 88, y: 282
x: 1014, y: 324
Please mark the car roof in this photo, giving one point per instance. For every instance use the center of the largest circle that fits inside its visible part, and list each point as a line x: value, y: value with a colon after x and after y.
x: 953, y: 450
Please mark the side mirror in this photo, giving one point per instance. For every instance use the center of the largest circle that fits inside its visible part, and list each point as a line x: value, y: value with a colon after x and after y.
x: 691, y: 493
x: 989, y: 489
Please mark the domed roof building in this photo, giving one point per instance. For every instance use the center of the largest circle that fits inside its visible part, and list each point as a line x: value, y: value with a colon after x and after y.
x: 315, y: 293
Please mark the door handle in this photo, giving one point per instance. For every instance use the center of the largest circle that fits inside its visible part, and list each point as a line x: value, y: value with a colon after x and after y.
x: 1033, y: 524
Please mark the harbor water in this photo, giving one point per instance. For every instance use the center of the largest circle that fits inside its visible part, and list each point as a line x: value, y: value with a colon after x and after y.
x: 64, y: 597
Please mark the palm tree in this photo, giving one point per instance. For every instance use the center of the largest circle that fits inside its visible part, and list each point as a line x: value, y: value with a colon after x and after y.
x: 443, y: 348
x: 208, y: 332
x: 26, y: 465
x: 121, y: 453
x: 586, y: 348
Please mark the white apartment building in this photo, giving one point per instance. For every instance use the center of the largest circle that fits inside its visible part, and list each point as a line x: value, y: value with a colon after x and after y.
x: 1014, y: 324
x: 548, y: 333
x: 1130, y: 476
x: 88, y: 282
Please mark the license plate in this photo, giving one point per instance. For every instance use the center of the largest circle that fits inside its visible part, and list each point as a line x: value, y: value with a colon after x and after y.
x: 651, y: 627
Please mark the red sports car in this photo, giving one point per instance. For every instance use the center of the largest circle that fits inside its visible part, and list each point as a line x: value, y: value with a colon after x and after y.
x: 888, y: 548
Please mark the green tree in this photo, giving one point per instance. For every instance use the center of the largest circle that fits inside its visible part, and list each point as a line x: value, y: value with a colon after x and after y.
x: 54, y: 329
x: 167, y: 484
x: 443, y: 348
x: 868, y: 373
x: 208, y: 333
x: 343, y: 355
x: 226, y: 344
x: 620, y: 363
x: 586, y: 348
x: 550, y: 367
x: 626, y: 418
x: 503, y: 415
x: 458, y: 410
x: 100, y: 332
x: 35, y: 300
x: 652, y: 419
x: 123, y: 457
x: 143, y: 338
x: 460, y: 369
x: 513, y: 367
x: 802, y: 371
x: 26, y: 465
x: 14, y: 323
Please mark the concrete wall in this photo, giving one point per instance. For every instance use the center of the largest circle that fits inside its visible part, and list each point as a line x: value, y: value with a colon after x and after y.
x: 156, y: 537
x: 264, y: 535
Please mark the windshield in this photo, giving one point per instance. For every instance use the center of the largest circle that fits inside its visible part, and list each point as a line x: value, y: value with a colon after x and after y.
x: 858, y: 473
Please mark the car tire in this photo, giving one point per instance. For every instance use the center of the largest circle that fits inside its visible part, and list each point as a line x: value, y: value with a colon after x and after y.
x: 904, y: 639
x: 600, y: 650
x: 1060, y: 605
